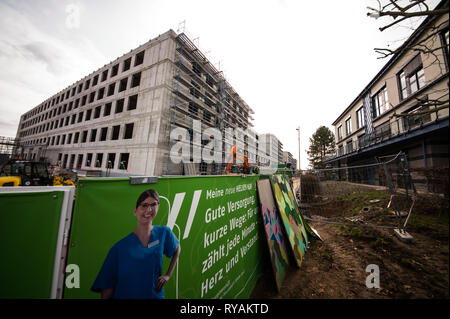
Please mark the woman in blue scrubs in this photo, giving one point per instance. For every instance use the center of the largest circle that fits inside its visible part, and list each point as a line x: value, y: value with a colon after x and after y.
x: 133, y: 267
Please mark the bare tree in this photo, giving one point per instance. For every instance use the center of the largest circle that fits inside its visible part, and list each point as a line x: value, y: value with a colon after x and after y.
x: 399, y: 12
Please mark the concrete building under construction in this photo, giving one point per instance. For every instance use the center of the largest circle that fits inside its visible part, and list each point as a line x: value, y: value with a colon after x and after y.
x: 120, y: 117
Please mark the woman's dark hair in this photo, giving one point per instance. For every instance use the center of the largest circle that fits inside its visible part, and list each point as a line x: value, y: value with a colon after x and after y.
x: 146, y: 194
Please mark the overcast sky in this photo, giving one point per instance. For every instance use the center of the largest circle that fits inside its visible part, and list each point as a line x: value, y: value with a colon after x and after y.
x: 295, y: 63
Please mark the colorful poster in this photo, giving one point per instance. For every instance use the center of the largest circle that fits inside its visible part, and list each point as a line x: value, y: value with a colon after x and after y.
x: 274, y: 233
x: 294, y: 228
x: 304, y: 226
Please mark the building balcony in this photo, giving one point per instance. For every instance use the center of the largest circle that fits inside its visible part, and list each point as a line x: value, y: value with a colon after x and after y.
x: 399, y: 130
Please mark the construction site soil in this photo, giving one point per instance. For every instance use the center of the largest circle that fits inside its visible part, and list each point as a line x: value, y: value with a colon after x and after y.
x: 335, y: 267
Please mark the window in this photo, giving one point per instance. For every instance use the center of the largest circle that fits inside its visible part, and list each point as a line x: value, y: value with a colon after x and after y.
x: 84, y: 137
x: 136, y: 80
x: 206, y: 116
x: 99, y: 160
x: 139, y: 59
x: 97, y: 112
x: 115, y: 70
x: 76, y: 137
x: 93, y: 134
x: 91, y: 97
x: 72, y: 160
x: 88, y: 160
x: 126, y: 64
x: 107, y: 110
x: 83, y: 100
x: 111, y: 160
x: 339, y: 132
x: 193, y: 108
x: 123, y: 84
x: 86, y: 84
x: 380, y: 102
x: 69, y: 138
x: 348, y: 126
x: 349, y: 146
x: 360, y: 118
x: 412, y: 77
x: 104, y: 75
x: 95, y: 80
x: 103, y: 133
x: 119, y: 106
x: 79, y: 161
x: 123, y: 160
x: 111, y: 89
x: 80, y: 117
x: 101, y: 93
x: 88, y: 115
x: 128, y: 131
x: 63, y: 139
x: 132, y: 102
x: 115, y: 132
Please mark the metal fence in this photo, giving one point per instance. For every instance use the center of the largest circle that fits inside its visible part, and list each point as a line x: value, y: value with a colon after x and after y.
x: 385, y: 132
x: 381, y: 194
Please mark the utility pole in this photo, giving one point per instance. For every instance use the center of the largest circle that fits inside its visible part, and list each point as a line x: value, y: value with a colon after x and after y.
x: 299, y: 167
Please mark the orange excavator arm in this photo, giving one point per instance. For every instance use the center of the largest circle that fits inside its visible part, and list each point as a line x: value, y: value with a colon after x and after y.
x: 233, y: 157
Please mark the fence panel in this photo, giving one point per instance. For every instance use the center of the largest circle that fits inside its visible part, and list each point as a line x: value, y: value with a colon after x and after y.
x: 215, y: 218
x: 33, y: 223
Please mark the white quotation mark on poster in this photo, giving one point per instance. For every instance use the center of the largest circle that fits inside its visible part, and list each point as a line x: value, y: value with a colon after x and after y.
x: 73, y: 278
x: 373, y: 279
x: 73, y: 16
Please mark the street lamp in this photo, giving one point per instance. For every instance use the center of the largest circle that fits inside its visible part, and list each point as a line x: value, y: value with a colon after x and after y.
x: 299, y: 167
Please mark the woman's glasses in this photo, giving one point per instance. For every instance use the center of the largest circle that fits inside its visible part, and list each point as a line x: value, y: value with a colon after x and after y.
x: 146, y: 206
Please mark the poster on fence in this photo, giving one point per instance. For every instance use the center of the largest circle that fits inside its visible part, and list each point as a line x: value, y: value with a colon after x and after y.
x: 215, y: 219
x: 294, y: 228
x: 274, y: 232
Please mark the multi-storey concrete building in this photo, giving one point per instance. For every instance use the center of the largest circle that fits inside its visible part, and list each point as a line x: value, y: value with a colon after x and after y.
x: 120, y: 117
x: 288, y: 158
x: 404, y: 107
x: 273, y: 147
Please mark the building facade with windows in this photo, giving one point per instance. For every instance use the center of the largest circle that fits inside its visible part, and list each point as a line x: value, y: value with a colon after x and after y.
x: 288, y: 158
x: 120, y: 117
x: 405, y: 106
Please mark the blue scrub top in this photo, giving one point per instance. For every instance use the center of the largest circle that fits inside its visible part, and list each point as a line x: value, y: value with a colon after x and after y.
x: 132, y: 270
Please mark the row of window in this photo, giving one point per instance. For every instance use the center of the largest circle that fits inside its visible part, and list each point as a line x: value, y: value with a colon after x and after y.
x: 89, y: 161
x: 95, y: 135
x: 86, y: 99
x: 411, y: 79
x: 100, y: 77
x: 87, y: 115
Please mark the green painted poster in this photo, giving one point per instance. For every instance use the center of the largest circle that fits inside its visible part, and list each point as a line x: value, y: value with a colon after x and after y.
x: 215, y: 218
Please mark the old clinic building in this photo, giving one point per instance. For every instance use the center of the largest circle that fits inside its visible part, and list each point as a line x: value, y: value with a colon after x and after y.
x: 119, y: 118
x: 404, y: 107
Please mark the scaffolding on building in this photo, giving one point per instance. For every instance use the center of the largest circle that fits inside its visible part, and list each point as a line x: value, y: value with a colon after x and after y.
x: 200, y: 92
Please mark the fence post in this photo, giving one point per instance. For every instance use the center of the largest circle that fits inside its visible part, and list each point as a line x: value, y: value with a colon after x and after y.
x: 393, y: 196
